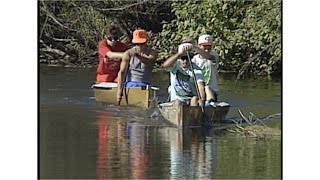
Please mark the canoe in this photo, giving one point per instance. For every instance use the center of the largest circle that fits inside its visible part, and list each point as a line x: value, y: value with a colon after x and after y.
x: 182, y: 116
x: 138, y: 96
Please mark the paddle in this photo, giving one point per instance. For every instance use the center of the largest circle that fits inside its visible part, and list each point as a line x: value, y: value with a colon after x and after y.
x: 123, y: 87
x: 197, y: 87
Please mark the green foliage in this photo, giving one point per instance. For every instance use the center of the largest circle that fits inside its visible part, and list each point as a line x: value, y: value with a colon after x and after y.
x: 241, y: 29
x: 79, y: 24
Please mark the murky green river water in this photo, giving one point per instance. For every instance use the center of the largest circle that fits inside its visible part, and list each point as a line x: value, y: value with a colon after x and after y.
x: 82, y: 139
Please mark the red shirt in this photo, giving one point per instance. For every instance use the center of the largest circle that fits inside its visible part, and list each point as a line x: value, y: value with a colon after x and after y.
x: 108, y: 72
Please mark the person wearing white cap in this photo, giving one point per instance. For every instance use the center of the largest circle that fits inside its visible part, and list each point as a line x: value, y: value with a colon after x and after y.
x: 183, y: 88
x: 207, y: 60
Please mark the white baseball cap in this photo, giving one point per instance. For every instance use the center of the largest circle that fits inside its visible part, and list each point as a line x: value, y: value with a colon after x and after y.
x: 205, y: 40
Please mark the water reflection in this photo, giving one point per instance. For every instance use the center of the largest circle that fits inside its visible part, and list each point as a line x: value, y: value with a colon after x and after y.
x: 131, y: 149
x: 249, y: 158
x: 192, y: 154
x: 102, y: 145
x: 79, y: 139
x: 112, y: 146
x: 138, y: 156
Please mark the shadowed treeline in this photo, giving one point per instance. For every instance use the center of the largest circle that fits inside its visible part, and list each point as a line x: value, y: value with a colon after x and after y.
x: 247, y: 33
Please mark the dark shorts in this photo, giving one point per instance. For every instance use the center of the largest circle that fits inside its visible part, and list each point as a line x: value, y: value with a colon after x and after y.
x: 215, y: 96
x: 186, y: 102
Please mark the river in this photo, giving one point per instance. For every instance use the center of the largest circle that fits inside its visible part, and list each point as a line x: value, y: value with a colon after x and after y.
x: 82, y: 139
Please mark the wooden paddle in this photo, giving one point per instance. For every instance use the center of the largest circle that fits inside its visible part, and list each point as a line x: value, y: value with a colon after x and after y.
x: 123, y: 87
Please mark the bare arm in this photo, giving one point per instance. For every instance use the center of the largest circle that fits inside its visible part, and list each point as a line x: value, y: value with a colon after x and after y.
x: 171, y: 60
x: 105, y: 51
x: 122, y: 73
x: 152, y: 57
x: 114, y: 55
x: 204, y: 53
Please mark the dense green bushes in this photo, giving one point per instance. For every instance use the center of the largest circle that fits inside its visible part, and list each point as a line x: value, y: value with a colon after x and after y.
x: 242, y: 29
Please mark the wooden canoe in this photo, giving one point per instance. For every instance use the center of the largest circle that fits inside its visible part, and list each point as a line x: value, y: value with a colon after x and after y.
x: 137, y: 96
x: 188, y: 116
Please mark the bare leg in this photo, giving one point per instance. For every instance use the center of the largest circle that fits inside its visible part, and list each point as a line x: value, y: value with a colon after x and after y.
x: 194, y: 101
x: 176, y: 103
x: 209, y: 93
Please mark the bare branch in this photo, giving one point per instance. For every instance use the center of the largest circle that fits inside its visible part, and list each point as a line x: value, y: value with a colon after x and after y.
x: 44, y: 25
x: 124, y: 7
x: 54, y: 18
x: 270, y: 116
x: 250, y: 60
x: 243, y: 117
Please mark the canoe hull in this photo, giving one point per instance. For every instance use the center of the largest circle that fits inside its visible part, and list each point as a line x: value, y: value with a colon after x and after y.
x: 188, y: 116
x: 137, y: 96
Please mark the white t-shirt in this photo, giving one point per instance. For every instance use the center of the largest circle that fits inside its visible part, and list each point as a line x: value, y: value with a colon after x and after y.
x: 209, y: 69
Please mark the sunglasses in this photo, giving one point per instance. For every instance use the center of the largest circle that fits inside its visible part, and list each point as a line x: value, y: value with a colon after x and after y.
x: 113, y: 38
x: 185, y: 57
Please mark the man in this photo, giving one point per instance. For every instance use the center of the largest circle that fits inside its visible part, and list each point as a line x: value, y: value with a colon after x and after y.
x: 184, y: 82
x: 137, y: 63
x: 207, y: 60
x: 110, y: 52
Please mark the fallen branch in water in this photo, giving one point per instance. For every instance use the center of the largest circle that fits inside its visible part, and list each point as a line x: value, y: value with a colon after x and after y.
x: 271, y: 116
x: 252, y: 128
x: 244, y: 118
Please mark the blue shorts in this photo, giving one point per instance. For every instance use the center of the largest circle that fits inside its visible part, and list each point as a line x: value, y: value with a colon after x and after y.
x: 135, y: 84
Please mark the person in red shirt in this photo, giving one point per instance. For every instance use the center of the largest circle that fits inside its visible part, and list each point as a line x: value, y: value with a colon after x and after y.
x: 110, y: 52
